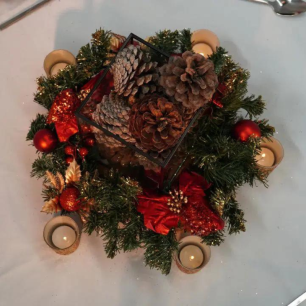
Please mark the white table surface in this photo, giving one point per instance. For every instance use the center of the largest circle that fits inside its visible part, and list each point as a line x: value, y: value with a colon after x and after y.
x: 264, y: 266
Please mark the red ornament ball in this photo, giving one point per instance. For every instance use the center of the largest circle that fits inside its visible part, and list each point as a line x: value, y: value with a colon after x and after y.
x: 89, y: 142
x: 83, y: 152
x: 245, y: 129
x: 69, y: 150
x: 45, y: 141
x: 69, y: 199
x: 69, y: 160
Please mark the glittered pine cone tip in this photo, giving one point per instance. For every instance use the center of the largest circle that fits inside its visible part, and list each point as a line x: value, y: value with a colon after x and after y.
x: 156, y: 123
x: 190, y: 79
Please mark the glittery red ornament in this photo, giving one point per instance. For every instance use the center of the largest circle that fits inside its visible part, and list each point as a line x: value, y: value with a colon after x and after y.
x: 45, y: 141
x: 69, y: 199
x: 69, y: 150
x: 83, y: 152
x: 69, y: 159
x: 89, y: 141
x: 245, y: 129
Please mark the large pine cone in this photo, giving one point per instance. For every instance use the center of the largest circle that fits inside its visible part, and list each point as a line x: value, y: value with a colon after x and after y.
x: 113, y: 115
x: 191, y: 79
x: 156, y: 123
x: 134, y: 72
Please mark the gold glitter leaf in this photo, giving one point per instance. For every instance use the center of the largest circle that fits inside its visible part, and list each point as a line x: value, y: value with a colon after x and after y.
x: 56, y: 180
x: 61, y: 181
x: 51, y: 206
x: 73, y: 173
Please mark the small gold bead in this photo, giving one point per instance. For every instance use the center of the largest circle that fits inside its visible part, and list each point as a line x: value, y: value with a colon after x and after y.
x: 173, y: 197
x: 178, y: 211
x: 170, y: 192
x: 177, y: 205
x: 171, y: 208
x: 181, y: 192
x: 175, y: 200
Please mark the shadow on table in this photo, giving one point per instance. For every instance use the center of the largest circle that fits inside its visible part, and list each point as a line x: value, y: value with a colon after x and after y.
x: 75, y: 26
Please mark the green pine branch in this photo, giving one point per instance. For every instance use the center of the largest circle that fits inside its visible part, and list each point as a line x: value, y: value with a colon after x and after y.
x: 185, y: 43
x: 160, y: 250
x: 219, y: 59
x: 266, y: 129
x: 114, y: 215
x: 234, y: 217
x: 37, y: 124
x: 214, y: 239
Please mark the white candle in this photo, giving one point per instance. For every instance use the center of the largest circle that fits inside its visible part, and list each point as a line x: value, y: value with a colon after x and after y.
x: 57, y: 67
x: 63, y: 237
x: 203, y: 49
x: 265, y: 158
x: 191, y: 256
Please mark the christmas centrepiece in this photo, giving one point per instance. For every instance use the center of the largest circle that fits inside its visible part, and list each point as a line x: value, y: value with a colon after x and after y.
x: 144, y: 141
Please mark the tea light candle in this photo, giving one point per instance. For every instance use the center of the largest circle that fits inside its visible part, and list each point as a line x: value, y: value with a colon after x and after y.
x: 265, y: 158
x: 58, y: 60
x: 191, y: 256
x: 206, y: 37
x: 57, y: 68
x: 202, y: 49
x: 63, y: 237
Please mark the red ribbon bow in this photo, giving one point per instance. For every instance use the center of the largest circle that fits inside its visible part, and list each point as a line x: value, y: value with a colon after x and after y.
x: 62, y: 114
x: 66, y: 103
x: 159, y: 218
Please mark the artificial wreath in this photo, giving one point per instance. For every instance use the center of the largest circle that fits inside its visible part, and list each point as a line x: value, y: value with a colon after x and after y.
x: 148, y: 100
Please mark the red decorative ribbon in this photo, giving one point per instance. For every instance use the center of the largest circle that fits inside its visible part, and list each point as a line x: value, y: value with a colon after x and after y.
x: 62, y: 114
x: 67, y: 102
x: 159, y: 218
x: 218, y: 95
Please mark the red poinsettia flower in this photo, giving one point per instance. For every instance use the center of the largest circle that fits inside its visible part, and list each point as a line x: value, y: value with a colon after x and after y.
x: 194, y: 211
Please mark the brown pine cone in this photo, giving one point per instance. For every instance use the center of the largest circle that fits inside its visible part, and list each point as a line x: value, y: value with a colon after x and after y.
x: 134, y: 73
x: 113, y: 115
x: 156, y: 123
x: 191, y: 79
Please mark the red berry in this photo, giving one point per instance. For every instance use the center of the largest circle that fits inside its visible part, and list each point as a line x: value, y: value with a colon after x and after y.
x: 69, y: 150
x: 83, y: 152
x: 69, y: 159
x: 89, y: 142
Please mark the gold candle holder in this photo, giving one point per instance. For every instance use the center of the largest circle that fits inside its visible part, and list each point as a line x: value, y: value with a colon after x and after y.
x: 58, y: 60
x: 192, y: 255
x: 277, y: 150
x: 62, y: 222
x: 204, y: 42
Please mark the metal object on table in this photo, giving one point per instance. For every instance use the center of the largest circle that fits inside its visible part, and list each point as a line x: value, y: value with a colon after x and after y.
x: 285, y: 7
x: 22, y: 14
x: 299, y: 300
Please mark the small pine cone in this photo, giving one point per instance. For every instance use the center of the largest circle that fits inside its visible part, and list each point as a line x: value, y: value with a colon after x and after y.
x: 190, y: 79
x: 134, y: 73
x: 156, y: 123
x: 113, y: 115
